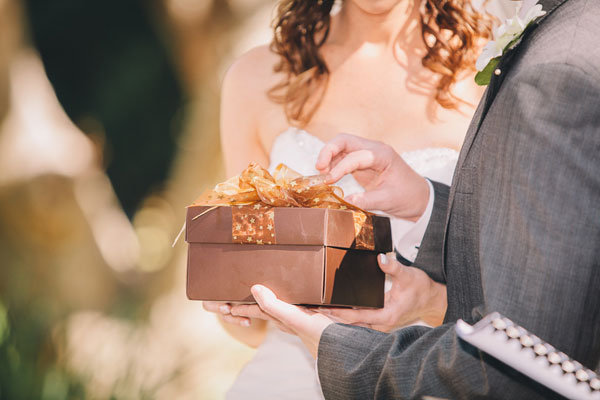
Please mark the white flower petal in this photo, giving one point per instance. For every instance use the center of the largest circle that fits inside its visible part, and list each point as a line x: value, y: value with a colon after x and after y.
x: 505, y: 39
x: 534, y: 13
x: 482, y: 62
x: 510, y: 30
x: 502, y: 9
x: 526, y: 5
x: 491, y: 50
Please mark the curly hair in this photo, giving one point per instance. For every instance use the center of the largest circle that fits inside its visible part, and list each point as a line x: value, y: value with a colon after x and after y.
x: 450, y: 30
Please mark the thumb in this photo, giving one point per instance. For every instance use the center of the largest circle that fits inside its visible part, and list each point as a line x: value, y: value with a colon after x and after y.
x: 288, y: 314
x: 389, y: 265
x: 370, y: 200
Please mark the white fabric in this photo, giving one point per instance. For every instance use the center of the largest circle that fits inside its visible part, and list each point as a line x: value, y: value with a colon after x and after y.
x: 282, y: 368
x: 408, y: 244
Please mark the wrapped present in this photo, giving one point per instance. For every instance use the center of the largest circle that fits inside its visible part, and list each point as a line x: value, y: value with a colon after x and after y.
x: 293, y: 234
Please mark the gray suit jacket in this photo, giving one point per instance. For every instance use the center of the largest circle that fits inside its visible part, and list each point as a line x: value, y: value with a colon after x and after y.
x: 518, y: 232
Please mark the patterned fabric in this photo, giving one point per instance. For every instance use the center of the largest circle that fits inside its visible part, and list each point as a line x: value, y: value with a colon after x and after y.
x: 253, y: 224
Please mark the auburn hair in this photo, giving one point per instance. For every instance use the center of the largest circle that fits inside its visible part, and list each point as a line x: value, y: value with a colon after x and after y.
x: 450, y: 30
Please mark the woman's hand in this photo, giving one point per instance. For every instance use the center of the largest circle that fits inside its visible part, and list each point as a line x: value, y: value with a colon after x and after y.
x: 223, y: 311
x: 413, y: 297
x: 390, y: 184
x: 250, y: 331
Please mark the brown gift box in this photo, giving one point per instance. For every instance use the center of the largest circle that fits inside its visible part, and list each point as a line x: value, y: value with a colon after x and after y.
x: 314, y: 261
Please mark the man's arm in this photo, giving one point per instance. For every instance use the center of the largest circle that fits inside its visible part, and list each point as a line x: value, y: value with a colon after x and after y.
x: 430, y: 256
x: 357, y: 363
x: 539, y: 255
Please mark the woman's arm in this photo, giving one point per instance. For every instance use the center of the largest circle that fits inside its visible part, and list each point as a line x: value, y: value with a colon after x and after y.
x: 242, y: 101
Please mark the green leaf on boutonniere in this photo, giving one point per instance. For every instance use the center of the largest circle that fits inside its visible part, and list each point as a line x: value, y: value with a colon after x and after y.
x: 484, y: 76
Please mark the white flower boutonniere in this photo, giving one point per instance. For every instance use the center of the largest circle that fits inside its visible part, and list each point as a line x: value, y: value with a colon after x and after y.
x: 506, y: 36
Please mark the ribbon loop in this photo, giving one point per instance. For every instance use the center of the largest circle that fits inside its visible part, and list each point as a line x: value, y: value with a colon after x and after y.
x: 255, y: 192
x: 285, y: 188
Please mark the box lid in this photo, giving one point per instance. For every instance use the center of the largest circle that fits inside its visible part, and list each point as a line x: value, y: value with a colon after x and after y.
x: 292, y: 226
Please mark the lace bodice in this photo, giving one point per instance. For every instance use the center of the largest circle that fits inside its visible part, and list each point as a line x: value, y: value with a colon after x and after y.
x: 299, y: 150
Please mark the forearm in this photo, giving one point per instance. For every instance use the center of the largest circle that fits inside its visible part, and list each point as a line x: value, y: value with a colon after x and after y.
x: 358, y: 363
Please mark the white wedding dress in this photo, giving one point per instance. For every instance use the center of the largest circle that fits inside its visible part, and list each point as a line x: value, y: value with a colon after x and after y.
x: 282, y: 368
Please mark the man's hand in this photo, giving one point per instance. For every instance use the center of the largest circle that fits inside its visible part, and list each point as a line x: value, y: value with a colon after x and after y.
x: 303, y: 322
x: 390, y: 184
x: 413, y: 297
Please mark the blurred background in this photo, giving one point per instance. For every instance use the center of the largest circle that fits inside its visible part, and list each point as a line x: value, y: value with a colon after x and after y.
x: 108, y: 129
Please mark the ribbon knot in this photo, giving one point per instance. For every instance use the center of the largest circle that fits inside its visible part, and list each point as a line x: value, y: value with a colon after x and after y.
x: 285, y: 188
x: 255, y: 192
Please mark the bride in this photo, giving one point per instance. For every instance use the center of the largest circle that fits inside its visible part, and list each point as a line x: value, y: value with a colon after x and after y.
x: 397, y: 71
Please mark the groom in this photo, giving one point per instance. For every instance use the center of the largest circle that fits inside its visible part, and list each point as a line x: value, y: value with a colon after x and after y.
x: 518, y: 232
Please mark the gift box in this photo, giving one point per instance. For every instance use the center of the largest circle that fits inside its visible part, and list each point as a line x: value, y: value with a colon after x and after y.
x: 325, y: 255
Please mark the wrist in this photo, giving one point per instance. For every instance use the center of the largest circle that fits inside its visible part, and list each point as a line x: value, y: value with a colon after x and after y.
x: 420, y: 201
x: 438, y: 303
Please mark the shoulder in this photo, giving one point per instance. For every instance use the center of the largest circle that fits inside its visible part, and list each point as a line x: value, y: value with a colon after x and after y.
x: 568, y: 36
x: 245, y: 103
x: 551, y: 110
x: 252, y: 73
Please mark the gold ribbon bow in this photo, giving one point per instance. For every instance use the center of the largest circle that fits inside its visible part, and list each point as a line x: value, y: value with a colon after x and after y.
x: 255, y: 192
x: 285, y: 188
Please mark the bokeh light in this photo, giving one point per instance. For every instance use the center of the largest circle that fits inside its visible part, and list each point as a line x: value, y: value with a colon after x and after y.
x: 108, y: 129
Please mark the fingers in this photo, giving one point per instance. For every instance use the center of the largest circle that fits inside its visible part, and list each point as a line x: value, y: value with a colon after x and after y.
x: 339, y: 144
x: 223, y: 310
x: 357, y: 160
x: 254, y: 311
x: 216, y: 307
x: 288, y: 314
x: 249, y: 311
x: 326, y: 156
x: 344, y: 315
x: 389, y: 265
x: 365, y: 318
x: 371, y: 200
x: 241, y: 321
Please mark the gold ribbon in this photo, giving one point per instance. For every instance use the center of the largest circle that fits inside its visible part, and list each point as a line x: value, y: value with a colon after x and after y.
x: 285, y: 188
x: 255, y: 192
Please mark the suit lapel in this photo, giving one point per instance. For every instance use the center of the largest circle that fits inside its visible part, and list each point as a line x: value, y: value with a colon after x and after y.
x: 496, y: 81
x: 550, y: 5
x: 488, y: 98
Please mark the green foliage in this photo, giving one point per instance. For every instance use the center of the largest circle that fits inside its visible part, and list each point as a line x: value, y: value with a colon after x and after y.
x: 28, y: 368
x: 484, y: 77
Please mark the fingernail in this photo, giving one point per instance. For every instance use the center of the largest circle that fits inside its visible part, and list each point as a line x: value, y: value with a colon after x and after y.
x: 383, y: 259
x: 245, y: 323
x: 256, y: 288
x: 225, y: 309
x: 329, y: 178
